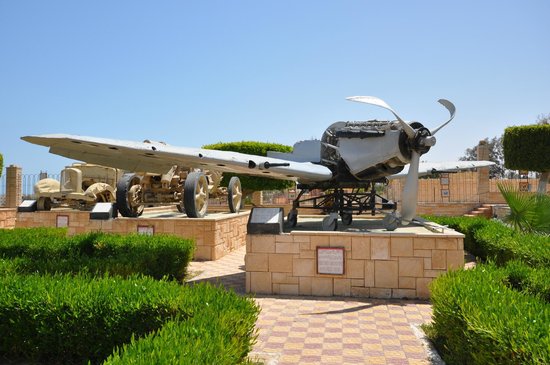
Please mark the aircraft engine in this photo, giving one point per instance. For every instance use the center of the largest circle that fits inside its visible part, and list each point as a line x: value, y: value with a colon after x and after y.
x: 368, y: 150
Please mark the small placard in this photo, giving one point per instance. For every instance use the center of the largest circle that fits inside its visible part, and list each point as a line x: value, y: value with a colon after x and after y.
x: 265, y: 215
x: 445, y: 193
x: 146, y: 230
x: 61, y: 221
x: 27, y: 206
x: 330, y: 260
x: 265, y: 221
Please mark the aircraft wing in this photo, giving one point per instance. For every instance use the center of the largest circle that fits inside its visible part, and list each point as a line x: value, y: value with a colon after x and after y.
x: 158, y: 157
x: 428, y: 168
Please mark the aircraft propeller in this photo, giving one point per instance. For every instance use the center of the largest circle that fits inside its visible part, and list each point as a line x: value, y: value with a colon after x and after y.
x: 420, y: 140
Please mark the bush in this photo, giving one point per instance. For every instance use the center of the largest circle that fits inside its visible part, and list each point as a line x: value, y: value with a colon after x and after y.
x: 49, y: 250
x: 223, y: 333
x: 72, y: 319
x: 477, y: 319
x: 490, y: 239
x: 527, y: 148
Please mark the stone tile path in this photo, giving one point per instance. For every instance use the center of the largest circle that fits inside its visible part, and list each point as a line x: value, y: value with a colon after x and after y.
x: 316, y: 330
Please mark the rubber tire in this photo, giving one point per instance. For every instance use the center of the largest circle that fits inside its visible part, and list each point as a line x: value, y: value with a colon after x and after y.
x: 234, y: 184
x: 193, y: 181
x: 44, y: 203
x: 292, y: 218
x: 122, y: 188
x: 330, y: 223
x: 347, y: 218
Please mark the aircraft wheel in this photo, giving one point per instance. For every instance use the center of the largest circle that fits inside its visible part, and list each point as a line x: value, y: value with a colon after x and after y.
x: 292, y: 218
x: 129, y: 198
x: 44, y: 203
x: 330, y: 223
x: 391, y: 221
x: 347, y: 218
x: 195, y: 195
x: 234, y: 194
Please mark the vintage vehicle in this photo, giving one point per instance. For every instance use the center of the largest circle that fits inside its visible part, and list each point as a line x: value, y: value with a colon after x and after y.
x: 190, y: 189
x: 81, y: 187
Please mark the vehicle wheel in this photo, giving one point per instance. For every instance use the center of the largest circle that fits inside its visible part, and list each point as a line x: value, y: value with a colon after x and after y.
x: 180, y: 208
x: 234, y: 194
x: 347, y: 218
x: 44, y: 203
x: 391, y: 221
x: 195, y: 195
x: 292, y: 218
x: 330, y: 223
x: 129, y: 198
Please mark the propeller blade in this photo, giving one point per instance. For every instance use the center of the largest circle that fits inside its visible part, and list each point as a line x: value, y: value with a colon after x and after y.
x: 452, y: 110
x: 372, y: 100
x: 409, y: 197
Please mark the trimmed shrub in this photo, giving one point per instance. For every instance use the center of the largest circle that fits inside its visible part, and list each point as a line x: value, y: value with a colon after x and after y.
x: 253, y: 183
x: 490, y: 239
x: 527, y: 148
x: 477, y: 319
x: 66, y: 319
x: 49, y: 250
x: 222, y: 331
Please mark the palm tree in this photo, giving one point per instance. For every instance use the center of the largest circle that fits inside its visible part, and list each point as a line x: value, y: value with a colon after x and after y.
x: 529, y: 212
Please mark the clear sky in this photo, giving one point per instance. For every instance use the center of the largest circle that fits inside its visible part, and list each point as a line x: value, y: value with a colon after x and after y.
x: 196, y: 72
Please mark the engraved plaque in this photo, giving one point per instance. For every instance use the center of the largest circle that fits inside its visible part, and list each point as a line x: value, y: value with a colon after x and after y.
x: 330, y: 260
x: 146, y: 230
x: 265, y: 221
x: 62, y: 221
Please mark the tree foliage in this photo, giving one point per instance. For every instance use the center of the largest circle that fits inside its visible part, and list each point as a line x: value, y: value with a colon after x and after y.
x: 1, y: 164
x: 496, y: 155
x: 253, y: 183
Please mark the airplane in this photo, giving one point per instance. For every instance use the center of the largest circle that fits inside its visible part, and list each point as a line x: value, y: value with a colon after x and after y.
x: 349, y: 156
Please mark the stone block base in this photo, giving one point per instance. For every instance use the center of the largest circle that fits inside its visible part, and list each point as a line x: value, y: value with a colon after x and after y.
x: 380, y: 265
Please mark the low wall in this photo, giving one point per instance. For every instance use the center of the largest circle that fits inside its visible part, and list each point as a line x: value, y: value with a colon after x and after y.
x: 215, y: 236
x: 7, y: 217
x: 379, y: 265
x: 445, y: 209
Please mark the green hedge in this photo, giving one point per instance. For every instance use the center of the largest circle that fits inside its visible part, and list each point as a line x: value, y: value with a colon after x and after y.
x: 527, y: 147
x: 253, y: 183
x: 222, y: 331
x: 498, y: 313
x: 478, y: 319
x: 1, y: 164
x: 50, y: 250
x: 491, y: 239
x: 66, y: 319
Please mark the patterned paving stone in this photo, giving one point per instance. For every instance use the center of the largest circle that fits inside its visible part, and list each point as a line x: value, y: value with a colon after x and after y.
x: 315, y: 330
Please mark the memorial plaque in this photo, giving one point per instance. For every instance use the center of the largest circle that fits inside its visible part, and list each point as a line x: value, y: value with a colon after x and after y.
x: 330, y: 260
x: 62, y: 221
x: 265, y: 221
x: 146, y: 230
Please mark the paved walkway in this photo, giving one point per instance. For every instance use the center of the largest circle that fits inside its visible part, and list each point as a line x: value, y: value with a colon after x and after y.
x: 316, y: 330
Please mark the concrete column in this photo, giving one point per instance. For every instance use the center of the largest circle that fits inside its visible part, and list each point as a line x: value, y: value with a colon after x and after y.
x: 13, y: 186
x: 483, y: 173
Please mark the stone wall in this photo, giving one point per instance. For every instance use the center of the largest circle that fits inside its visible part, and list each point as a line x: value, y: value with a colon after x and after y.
x: 7, y: 217
x: 379, y: 265
x: 215, y: 237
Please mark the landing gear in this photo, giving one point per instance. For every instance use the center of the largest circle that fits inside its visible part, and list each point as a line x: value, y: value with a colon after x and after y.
x: 195, y: 195
x: 330, y: 222
x: 292, y: 218
x: 341, y: 201
x: 234, y: 194
x: 347, y: 218
x: 129, y: 196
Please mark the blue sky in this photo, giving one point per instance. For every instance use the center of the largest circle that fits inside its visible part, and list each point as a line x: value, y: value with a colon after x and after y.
x: 196, y: 72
